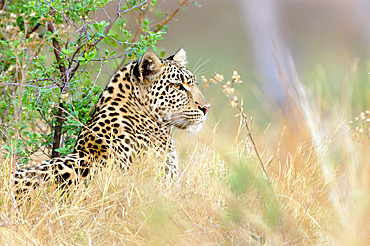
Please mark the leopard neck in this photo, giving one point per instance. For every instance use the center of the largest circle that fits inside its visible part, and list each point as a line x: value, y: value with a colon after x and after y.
x: 125, y: 98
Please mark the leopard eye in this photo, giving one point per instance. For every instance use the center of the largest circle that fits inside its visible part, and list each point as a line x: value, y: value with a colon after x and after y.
x: 180, y: 87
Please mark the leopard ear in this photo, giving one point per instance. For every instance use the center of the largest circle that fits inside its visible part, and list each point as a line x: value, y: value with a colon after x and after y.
x: 179, y: 56
x: 149, y: 67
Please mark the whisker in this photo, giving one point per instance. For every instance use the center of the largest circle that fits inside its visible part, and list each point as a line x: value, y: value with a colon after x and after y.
x: 195, y: 66
x: 201, y: 65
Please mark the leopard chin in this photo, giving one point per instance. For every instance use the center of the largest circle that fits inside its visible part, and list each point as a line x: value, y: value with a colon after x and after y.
x: 189, y: 125
x: 194, y: 128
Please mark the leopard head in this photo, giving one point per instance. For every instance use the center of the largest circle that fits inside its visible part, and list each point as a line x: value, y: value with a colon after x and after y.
x: 172, y: 91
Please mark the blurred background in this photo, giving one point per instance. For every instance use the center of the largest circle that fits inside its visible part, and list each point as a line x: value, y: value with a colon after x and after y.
x: 323, y: 45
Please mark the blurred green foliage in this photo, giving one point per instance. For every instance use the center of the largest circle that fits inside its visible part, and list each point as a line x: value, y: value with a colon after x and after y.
x: 246, y: 182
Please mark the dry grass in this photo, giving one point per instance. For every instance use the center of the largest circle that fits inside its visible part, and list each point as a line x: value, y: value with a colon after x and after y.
x: 217, y: 200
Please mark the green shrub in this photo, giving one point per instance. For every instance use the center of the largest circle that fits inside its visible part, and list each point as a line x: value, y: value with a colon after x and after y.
x: 53, y: 53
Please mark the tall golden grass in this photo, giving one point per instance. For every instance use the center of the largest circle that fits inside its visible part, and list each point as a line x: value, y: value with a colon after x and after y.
x: 316, y: 192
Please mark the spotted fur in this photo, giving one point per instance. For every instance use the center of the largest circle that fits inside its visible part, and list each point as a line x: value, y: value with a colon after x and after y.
x: 136, y: 111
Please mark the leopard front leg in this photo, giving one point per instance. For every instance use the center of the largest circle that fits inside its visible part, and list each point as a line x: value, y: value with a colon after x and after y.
x: 172, y: 165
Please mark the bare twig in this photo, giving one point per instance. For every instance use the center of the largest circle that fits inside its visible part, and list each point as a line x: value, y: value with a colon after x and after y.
x: 115, y: 40
x: 107, y: 59
x: 250, y: 136
x: 171, y: 16
x: 79, y: 47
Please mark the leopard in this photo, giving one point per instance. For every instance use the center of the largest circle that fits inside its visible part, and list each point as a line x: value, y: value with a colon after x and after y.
x: 137, y: 111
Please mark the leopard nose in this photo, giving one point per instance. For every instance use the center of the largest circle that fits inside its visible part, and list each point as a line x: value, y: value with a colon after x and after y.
x: 205, y: 108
